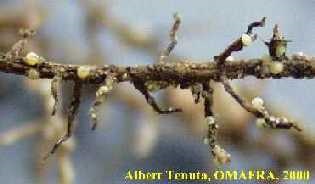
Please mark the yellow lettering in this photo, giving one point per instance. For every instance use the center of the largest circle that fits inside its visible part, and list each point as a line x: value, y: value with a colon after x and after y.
x: 181, y: 176
x: 260, y: 175
x: 271, y: 176
x: 169, y: 175
x: 251, y: 174
x: 219, y: 175
x: 231, y: 175
x: 242, y: 176
x: 128, y: 176
x: 204, y: 176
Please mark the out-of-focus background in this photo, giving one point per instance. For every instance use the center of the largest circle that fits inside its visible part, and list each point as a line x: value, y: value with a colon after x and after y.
x: 130, y: 134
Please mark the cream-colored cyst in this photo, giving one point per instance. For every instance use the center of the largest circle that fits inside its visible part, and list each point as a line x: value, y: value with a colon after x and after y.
x: 280, y: 50
x: 83, y: 72
x: 33, y: 74
x: 93, y: 115
x: 210, y: 120
x: 272, y: 118
x: 32, y: 59
x: 299, y: 54
x: 206, y: 141
x: 276, y: 67
x: 125, y: 76
x: 258, y: 103
x: 284, y: 120
x: 150, y: 87
x: 246, y: 40
x: 104, y: 89
x: 229, y: 59
x: 260, y: 122
x: 221, y: 156
x: 153, y: 85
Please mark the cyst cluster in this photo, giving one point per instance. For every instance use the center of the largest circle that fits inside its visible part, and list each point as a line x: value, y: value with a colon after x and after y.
x: 156, y: 85
x: 103, y: 90
x: 276, y: 67
x: 206, y: 141
x: 100, y: 97
x: 210, y: 120
x: 33, y: 74
x: 220, y: 155
x: 258, y: 103
x: 246, y: 39
x: 261, y: 123
x: 229, y: 59
x: 32, y: 59
x: 83, y: 72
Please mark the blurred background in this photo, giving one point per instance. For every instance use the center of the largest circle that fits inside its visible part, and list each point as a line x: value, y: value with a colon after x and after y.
x: 130, y: 135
